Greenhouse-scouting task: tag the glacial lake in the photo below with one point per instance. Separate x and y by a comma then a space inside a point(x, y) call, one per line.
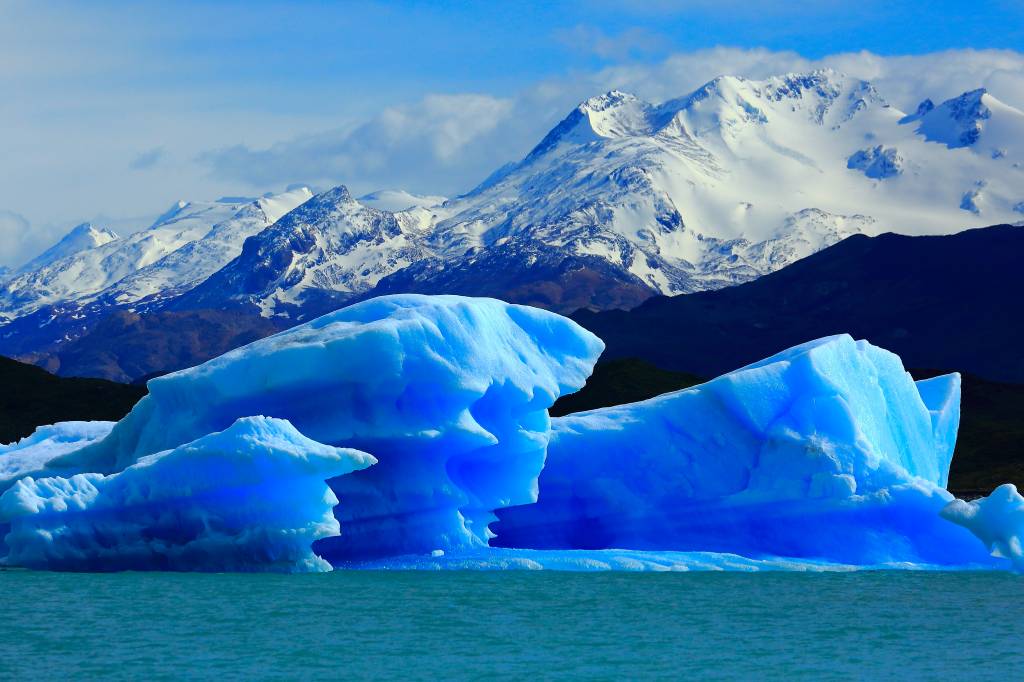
point(511, 625)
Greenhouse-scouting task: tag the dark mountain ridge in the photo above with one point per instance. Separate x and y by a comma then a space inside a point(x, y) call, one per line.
point(955, 302)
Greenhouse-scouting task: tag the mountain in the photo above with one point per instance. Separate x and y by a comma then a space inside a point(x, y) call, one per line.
point(625, 199)
point(183, 268)
point(326, 252)
point(33, 397)
point(80, 238)
point(741, 177)
point(951, 302)
point(146, 263)
point(622, 200)
point(396, 200)
point(62, 301)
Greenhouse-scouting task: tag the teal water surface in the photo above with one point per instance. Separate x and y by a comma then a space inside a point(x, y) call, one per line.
point(468, 625)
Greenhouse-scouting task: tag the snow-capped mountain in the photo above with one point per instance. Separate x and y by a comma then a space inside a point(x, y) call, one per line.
point(80, 238)
point(396, 200)
point(623, 199)
point(145, 263)
point(742, 177)
point(185, 267)
point(728, 183)
point(330, 249)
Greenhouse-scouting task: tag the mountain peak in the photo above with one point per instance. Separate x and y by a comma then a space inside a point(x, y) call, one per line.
point(610, 115)
point(607, 100)
point(81, 237)
point(957, 122)
point(274, 206)
point(397, 200)
point(335, 195)
point(176, 208)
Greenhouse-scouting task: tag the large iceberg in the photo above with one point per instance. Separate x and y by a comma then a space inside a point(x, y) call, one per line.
point(450, 394)
point(252, 497)
point(827, 450)
point(825, 456)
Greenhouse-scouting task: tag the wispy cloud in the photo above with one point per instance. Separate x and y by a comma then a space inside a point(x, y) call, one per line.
point(447, 143)
point(629, 43)
point(414, 146)
point(147, 159)
point(18, 240)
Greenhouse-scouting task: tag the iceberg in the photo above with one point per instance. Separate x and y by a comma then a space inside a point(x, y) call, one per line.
point(252, 497)
point(828, 450)
point(997, 520)
point(32, 455)
point(826, 456)
point(450, 394)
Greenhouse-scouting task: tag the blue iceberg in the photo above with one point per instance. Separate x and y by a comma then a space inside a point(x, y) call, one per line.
point(252, 497)
point(997, 520)
point(827, 450)
point(827, 456)
point(450, 394)
point(31, 456)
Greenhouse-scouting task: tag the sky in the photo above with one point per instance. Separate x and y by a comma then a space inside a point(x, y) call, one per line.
point(112, 111)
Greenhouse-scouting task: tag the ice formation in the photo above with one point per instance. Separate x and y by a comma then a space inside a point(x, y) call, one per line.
point(826, 450)
point(252, 497)
point(997, 520)
point(31, 456)
point(825, 456)
point(449, 393)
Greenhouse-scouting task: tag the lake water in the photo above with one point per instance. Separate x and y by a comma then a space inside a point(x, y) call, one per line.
point(469, 625)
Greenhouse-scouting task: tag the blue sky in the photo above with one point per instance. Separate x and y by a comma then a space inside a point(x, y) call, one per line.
point(118, 109)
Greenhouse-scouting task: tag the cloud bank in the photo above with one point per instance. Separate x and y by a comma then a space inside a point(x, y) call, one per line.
point(444, 144)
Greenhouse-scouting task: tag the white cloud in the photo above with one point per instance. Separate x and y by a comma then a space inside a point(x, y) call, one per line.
point(445, 144)
point(628, 43)
point(148, 159)
point(18, 240)
point(426, 144)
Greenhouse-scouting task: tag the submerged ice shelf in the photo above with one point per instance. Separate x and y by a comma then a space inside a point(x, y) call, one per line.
point(426, 416)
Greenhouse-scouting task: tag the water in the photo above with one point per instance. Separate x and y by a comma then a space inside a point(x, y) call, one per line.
point(467, 625)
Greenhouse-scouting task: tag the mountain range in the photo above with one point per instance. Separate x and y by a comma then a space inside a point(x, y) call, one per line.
point(621, 201)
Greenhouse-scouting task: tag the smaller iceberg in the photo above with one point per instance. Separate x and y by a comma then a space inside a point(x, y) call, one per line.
point(31, 456)
point(828, 450)
point(997, 520)
point(252, 497)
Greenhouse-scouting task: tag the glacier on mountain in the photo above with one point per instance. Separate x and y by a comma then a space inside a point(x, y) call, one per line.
point(80, 238)
point(827, 454)
point(252, 497)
